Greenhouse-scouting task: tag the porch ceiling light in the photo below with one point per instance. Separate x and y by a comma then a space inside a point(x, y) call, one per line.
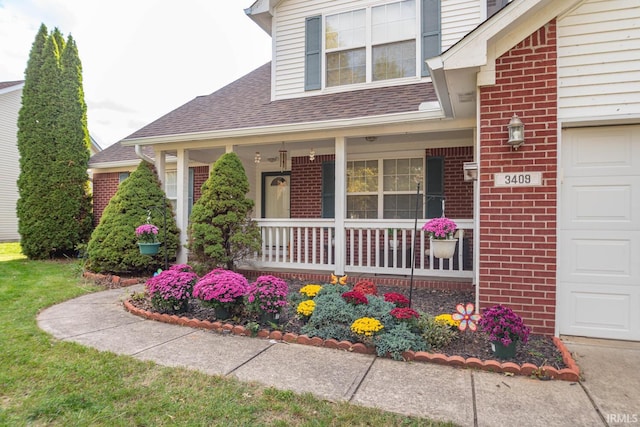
point(370, 138)
point(257, 157)
point(516, 132)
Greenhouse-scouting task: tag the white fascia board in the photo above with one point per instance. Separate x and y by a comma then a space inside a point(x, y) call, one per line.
point(439, 80)
point(261, 12)
point(290, 128)
point(471, 51)
point(11, 88)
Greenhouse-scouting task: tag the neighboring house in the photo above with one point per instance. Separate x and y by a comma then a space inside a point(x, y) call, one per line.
point(364, 100)
point(10, 104)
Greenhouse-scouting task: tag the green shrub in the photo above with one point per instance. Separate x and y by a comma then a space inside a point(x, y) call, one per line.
point(113, 246)
point(221, 231)
point(436, 334)
point(397, 339)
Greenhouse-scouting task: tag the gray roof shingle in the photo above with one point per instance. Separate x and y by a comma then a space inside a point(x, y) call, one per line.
point(246, 103)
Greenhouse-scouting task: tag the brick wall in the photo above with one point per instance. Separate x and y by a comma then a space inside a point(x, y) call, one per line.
point(458, 192)
point(200, 175)
point(518, 225)
point(105, 186)
point(306, 186)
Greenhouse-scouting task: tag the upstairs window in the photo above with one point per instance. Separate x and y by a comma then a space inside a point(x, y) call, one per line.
point(393, 40)
point(376, 43)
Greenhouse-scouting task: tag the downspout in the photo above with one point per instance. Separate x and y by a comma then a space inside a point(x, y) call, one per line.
point(143, 156)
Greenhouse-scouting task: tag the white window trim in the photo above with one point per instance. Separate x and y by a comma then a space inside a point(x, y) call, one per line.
point(380, 192)
point(369, 82)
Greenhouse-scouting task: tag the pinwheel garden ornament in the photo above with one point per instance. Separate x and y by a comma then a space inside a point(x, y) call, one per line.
point(466, 316)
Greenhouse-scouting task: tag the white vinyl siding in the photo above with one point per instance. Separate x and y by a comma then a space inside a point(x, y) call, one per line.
point(10, 103)
point(599, 61)
point(289, 45)
point(459, 17)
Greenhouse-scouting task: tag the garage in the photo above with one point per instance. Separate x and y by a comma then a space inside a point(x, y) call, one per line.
point(599, 233)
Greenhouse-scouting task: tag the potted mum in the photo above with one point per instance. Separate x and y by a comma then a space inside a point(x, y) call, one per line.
point(147, 239)
point(267, 296)
point(171, 289)
point(505, 329)
point(441, 231)
point(223, 290)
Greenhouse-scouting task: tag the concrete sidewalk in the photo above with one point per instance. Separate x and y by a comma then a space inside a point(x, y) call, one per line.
point(609, 396)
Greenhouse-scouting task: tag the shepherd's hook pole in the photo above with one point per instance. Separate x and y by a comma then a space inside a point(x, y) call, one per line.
point(415, 240)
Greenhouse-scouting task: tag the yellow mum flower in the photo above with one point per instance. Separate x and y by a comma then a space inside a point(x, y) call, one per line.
point(306, 307)
point(366, 326)
point(310, 290)
point(447, 319)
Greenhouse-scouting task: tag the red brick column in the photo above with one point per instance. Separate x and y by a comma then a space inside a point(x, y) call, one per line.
point(518, 224)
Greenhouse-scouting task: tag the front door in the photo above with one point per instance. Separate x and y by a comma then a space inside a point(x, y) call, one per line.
point(276, 195)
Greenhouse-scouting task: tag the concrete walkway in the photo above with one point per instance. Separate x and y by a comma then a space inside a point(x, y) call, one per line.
point(608, 396)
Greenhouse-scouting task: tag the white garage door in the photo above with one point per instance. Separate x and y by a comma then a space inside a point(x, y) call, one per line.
point(599, 233)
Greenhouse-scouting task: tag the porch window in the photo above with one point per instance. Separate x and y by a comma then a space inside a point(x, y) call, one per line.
point(376, 43)
point(391, 194)
point(171, 186)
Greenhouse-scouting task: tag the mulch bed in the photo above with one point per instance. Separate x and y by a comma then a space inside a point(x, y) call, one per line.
point(540, 351)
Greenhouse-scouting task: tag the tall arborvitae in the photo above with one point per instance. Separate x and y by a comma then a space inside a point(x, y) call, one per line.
point(53, 208)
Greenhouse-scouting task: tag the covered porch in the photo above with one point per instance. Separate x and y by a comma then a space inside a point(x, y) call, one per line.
point(346, 204)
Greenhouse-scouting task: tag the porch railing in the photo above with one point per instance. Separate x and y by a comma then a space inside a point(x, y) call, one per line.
point(370, 246)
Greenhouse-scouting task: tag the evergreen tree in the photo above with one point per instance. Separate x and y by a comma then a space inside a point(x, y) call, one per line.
point(54, 211)
point(113, 245)
point(221, 231)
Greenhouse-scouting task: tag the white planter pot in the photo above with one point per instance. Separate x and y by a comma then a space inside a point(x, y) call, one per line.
point(442, 248)
point(393, 244)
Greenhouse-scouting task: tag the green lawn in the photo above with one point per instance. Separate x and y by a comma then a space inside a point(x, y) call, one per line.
point(48, 382)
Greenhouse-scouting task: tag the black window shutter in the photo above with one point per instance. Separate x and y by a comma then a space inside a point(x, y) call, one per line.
point(312, 47)
point(328, 189)
point(435, 186)
point(430, 31)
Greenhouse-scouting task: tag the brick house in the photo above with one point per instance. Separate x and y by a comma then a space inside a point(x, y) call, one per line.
point(372, 110)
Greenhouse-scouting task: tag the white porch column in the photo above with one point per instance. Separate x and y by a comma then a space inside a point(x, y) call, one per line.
point(228, 148)
point(182, 202)
point(340, 203)
point(161, 166)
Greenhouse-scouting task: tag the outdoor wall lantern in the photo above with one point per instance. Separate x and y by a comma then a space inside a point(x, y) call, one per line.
point(516, 132)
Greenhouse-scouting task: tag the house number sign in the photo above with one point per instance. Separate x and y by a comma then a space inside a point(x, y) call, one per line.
point(520, 179)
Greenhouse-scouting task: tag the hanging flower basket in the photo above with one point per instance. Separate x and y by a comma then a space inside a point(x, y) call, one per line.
point(149, 248)
point(443, 248)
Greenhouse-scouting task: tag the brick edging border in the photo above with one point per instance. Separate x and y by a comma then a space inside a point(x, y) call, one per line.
point(571, 373)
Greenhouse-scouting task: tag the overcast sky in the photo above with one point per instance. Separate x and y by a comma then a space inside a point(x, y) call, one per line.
point(140, 58)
